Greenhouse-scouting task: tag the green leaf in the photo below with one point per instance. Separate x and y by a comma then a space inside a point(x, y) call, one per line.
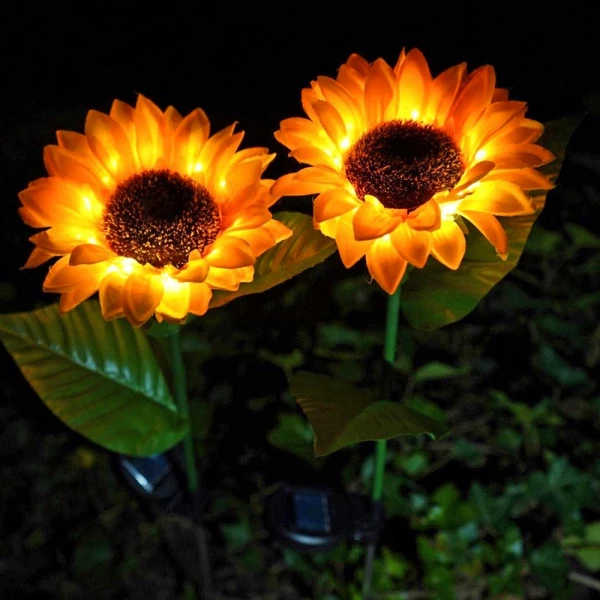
point(99, 377)
point(586, 549)
point(436, 296)
point(437, 370)
point(550, 566)
point(342, 415)
point(294, 435)
point(582, 237)
point(306, 248)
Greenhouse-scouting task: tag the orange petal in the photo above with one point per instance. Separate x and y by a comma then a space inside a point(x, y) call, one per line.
point(515, 156)
point(425, 218)
point(500, 95)
point(353, 81)
point(90, 254)
point(200, 295)
point(175, 302)
point(243, 175)
point(498, 198)
point(223, 279)
point(449, 244)
point(379, 92)
point(148, 120)
point(53, 201)
point(189, 138)
point(71, 298)
point(333, 203)
point(62, 240)
point(62, 277)
point(414, 246)
point(63, 163)
point(372, 220)
point(313, 156)
point(473, 98)
point(527, 132)
point(289, 185)
point(527, 178)
point(195, 271)
point(124, 115)
point(262, 238)
point(141, 295)
point(307, 97)
point(474, 174)
point(385, 264)
point(342, 100)
point(414, 80)
point(111, 295)
point(230, 252)
point(497, 119)
point(350, 249)
point(37, 258)
point(332, 122)
point(443, 92)
point(358, 63)
point(490, 227)
point(110, 145)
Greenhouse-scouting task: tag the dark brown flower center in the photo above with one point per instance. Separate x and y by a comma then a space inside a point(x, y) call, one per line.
point(403, 163)
point(159, 217)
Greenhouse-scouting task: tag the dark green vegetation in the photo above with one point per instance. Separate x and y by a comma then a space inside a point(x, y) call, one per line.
point(507, 506)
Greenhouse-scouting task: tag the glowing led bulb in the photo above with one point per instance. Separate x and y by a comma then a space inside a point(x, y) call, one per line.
point(414, 114)
point(480, 154)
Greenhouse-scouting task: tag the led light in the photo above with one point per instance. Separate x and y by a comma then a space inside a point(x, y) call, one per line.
point(480, 154)
point(345, 143)
point(414, 114)
point(198, 167)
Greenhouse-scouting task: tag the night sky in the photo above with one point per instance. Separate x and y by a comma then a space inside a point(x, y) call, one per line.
point(248, 63)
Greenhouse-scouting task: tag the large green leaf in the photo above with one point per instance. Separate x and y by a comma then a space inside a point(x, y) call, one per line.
point(305, 249)
point(435, 296)
point(99, 377)
point(340, 414)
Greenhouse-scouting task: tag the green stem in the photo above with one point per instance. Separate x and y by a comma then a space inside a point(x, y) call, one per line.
point(180, 389)
point(389, 357)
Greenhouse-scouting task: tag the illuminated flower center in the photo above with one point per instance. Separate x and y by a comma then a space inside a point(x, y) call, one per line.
point(159, 217)
point(403, 163)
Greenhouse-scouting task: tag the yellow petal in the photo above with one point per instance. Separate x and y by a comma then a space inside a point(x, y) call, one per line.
point(385, 265)
point(230, 252)
point(111, 295)
point(195, 271)
point(527, 178)
point(89, 254)
point(350, 249)
point(141, 295)
point(379, 92)
point(497, 119)
point(372, 220)
point(414, 246)
point(333, 203)
point(449, 244)
point(490, 227)
point(175, 302)
point(200, 295)
point(124, 115)
point(426, 217)
point(498, 198)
